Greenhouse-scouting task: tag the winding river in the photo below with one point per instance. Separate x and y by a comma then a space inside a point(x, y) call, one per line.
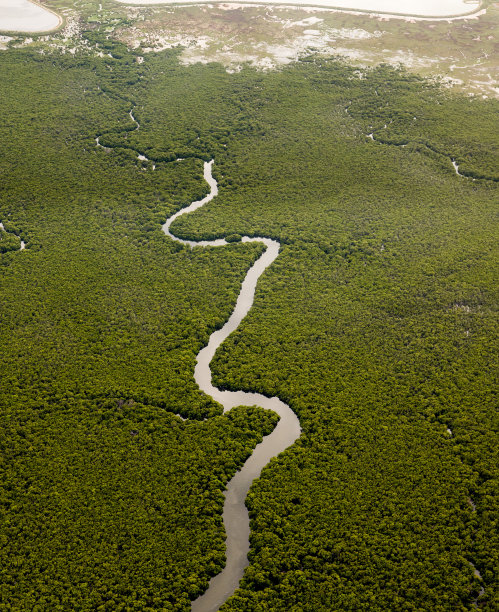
point(235, 514)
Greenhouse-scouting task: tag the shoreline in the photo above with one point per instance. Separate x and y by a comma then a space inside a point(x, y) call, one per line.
point(474, 13)
point(60, 22)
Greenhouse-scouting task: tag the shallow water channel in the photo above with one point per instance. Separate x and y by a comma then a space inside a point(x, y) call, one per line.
point(235, 514)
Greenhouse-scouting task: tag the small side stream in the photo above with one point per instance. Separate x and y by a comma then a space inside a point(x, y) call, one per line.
point(22, 244)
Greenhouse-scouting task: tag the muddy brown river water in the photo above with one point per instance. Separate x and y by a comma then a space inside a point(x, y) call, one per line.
point(235, 514)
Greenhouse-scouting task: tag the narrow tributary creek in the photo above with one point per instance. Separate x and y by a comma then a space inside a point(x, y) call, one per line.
point(372, 136)
point(22, 244)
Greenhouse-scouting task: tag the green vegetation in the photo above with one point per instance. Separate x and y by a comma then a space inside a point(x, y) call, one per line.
point(376, 324)
point(107, 500)
point(115, 505)
point(9, 238)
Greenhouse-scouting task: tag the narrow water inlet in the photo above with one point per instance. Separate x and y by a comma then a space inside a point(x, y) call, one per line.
point(235, 515)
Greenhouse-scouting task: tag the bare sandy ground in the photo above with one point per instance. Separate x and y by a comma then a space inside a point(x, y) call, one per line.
point(421, 8)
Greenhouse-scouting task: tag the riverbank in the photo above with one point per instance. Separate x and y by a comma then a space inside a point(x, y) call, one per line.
point(288, 430)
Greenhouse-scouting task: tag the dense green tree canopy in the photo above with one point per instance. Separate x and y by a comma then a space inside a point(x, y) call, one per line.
point(376, 324)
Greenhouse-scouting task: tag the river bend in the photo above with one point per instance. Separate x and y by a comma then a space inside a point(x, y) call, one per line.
point(235, 514)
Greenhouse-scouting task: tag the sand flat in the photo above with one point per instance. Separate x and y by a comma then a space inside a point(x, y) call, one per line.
point(422, 8)
point(26, 16)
